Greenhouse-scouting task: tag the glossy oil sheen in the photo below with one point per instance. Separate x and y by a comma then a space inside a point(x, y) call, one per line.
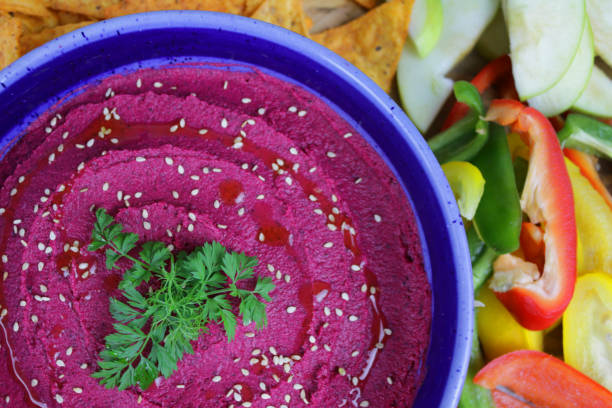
point(38, 80)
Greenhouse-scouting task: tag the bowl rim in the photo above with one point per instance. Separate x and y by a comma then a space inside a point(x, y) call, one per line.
point(177, 19)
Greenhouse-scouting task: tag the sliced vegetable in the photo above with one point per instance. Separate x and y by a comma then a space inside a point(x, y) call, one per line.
point(538, 298)
point(482, 268)
point(587, 135)
point(503, 400)
point(600, 14)
point(532, 244)
point(464, 140)
point(543, 380)
point(587, 328)
point(475, 244)
point(467, 184)
point(499, 333)
point(495, 71)
point(498, 217)
point(593, 223)
point(587, 164)
point(472, 395)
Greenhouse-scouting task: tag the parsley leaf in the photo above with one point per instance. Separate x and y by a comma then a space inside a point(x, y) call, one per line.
point(154, 329)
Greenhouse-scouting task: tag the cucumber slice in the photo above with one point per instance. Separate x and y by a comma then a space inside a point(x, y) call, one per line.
point(600, 14)
point(544, 38)
point(422, 84)
point(425, 25)
point(564, 93)
point(596, 99)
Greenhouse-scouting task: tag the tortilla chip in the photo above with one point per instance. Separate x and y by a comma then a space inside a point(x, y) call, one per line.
point(374, 41)
point(284, 13)
point(367, 3)
point(124, 7)
point(66, 17)
point(31, 8)
point(10, 31)
point(89, 8)
point(251, 6)
point(31, 41)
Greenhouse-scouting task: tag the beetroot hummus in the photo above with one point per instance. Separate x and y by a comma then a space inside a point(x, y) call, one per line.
point(187, 155)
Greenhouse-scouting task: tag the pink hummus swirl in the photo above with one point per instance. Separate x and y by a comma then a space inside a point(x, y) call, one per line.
point(187, 155)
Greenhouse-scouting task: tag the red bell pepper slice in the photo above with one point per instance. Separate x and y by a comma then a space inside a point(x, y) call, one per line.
point(587, 168)
point(543, 380)
point(497, 71)
point(538, 298)
point(503, 400)
point(532, 244)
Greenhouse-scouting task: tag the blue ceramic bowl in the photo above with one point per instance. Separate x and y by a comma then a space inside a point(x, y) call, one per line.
point(38, 80)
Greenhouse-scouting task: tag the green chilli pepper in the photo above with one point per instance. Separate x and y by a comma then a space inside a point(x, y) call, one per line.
point(586, 134)
point(498, 217)
point(463, 140)
point(472, 395)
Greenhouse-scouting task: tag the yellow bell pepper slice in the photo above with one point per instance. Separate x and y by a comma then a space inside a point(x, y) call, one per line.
point(593, 223)
point(467, 184)
point(587, 328)
point(498, 331)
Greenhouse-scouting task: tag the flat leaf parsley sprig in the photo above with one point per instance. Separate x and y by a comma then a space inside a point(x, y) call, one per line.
point(155, 330)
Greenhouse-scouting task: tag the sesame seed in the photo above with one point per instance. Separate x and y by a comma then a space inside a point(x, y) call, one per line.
point(380, 346)
point(192, 216)
point(318, 211)
point(182, 122)
point(240, 212)
point(328, 244)
point(291, 309)
point(287, 278)
point(60, 363)
point(180, 169)
point(114, 140)
point(388, 332)
point(332, 227)
point(175, 194)
point(77, 390)
point(169, 161)
point(224, 123)
point(34, 382)
point(364, 404)
point(261, 237)
point(216, 170)
point(339, 312)
point(331, 155)
point(353, 318)
point(270, 267)
point(203, 131)
point(59, 398)
point(373, 290)
point(260, 197)
point(246, 100)
point(265, 396)
point(302, 113)
point(244, 372)
point(355, 268)
point(355, 381)
point(138, 194)
point(84, 366)
point(34, 319)
point(180, 386)
point(225, 83)
point(312, 339)
point(261, 111)
point(216, 378)
point(390, 380)
point(25, 266)
point(288, 180)
point(195, 192)
point(146, 225)
point(69, 351)
point(377, 218)
point(158, 84)
point(43, 288)
point(105, 187)
point(190, 228)
point(341, 371)
point(221, 226)
point(326, 311)
point(119, 195)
